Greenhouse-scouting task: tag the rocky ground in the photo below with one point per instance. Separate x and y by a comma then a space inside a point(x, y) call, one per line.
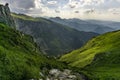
point(56, 74)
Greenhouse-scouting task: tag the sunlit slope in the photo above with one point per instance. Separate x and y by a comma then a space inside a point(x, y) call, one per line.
point(100, 57)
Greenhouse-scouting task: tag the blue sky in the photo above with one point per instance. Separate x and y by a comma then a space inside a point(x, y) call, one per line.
point(83, 9)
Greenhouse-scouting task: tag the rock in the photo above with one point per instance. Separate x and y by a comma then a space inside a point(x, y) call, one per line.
point(55, 72)
point(41, 74)
point(72, 77)
point(5, 16)
point(47, 78)
point(67, 71)
point(66, 74)
point(31, 79)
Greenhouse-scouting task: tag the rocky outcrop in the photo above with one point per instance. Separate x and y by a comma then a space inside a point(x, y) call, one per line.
point(56, 74)
point(5, 16)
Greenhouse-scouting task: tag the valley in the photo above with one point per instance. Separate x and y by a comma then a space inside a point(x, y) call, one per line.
point(52, 38)
point(38, 48)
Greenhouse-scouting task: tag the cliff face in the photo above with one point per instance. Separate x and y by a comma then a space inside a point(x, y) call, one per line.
point(5, 16)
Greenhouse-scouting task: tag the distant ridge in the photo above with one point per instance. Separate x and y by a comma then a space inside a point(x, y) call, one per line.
point(83, 25)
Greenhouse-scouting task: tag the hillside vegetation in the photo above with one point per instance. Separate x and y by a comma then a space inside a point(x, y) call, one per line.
point(52, 38)
point(99, 59)
point(20, 59)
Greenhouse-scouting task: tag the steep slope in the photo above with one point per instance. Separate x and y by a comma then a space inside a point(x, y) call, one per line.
point(20, 59)
point(52, 38)
point(99, 58)
point(82, 25)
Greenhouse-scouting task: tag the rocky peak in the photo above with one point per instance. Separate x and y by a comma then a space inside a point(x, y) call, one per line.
point(5, 15)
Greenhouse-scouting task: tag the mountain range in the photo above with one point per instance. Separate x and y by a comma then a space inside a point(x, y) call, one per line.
point(52, 38)
point(111, 24)
point(83, 25)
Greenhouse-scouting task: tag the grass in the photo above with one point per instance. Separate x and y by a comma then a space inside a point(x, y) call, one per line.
point(99, 59)
point(20, 59)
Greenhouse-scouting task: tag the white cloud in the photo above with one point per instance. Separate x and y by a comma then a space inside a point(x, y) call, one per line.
point(52, 2)
point(97, 9)
point(115, 11)
point(37, 4)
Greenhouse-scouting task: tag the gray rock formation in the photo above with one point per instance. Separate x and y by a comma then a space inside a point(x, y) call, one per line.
point(5, 15)
point(56, 74)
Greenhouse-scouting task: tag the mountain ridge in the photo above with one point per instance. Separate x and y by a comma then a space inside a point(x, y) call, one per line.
point(52, 38)
point(82, 25)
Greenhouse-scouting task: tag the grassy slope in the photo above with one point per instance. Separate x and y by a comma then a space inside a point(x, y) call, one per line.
point(99, 58)
point(19, 57)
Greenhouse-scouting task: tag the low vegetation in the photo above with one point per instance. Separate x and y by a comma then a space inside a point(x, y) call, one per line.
point(20, 59)
point(99, 58)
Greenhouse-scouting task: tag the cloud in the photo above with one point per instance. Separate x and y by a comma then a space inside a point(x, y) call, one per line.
point(52, 2)
point(66, 8)
point(57, 11)
point(90, 11)
point(115, 11)
point(76, 11)
point(20, 3)
point(19, 6)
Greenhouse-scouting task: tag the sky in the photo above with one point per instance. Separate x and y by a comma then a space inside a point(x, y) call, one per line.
point(82, 9)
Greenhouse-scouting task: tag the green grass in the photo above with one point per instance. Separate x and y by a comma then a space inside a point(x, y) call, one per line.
point(99, 58)
point(20, 58)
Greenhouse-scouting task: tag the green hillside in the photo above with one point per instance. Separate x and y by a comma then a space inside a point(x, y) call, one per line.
point(52, 38)
point(19, 57)
point(99, 59)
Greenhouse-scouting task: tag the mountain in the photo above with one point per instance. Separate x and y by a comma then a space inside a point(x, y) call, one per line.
point(111, 24)
point(51, 37)
point(83, 25)
point(99, 59)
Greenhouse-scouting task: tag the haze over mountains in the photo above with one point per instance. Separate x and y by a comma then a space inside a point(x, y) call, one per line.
point(112, 24)
point(83, 25)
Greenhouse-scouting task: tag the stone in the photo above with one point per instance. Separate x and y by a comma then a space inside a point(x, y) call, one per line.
point(5, 16)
